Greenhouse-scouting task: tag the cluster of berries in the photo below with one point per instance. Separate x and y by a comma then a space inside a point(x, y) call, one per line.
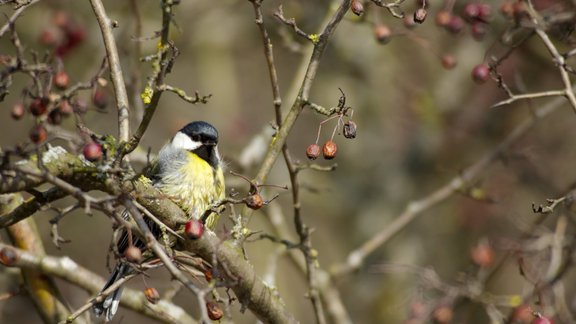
point(349, 127)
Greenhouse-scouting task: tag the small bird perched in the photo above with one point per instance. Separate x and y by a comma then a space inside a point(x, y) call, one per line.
point(188, 170)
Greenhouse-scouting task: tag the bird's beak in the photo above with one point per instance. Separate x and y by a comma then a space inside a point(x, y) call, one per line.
point(210, 143)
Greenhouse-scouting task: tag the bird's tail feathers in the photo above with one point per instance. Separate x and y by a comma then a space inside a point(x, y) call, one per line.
point(110, 304)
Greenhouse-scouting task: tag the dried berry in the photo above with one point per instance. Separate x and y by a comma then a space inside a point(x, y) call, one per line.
point(100, 99)
point(8, 256)
point(481, 73)
point(61, 80)
point(92, 151)
point(455, 25)
point(215, 313)
point(313, 151)
point(349, 129)
point(420, 15)
point(329, 150)
point(18, 111)
point(448, 61)
point(38, 107)
point(133, 254)
point(194, 229)
point(254, 201)
point(382, 33)
point(55, 117)
point(152, 295)
point(357, 7)
point(38, 134)
point(443, 18)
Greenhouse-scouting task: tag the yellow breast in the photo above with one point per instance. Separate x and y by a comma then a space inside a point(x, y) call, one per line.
point(194, 186)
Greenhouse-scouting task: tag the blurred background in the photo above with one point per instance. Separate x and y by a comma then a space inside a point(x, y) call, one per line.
point(419, 125)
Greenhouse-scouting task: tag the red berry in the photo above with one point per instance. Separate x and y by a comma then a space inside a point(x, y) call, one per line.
point(133, 254)
point(38, 107)
point(215, 313)
point(485, 11)
point(80, 106)
point(455, 25)
point(313, 151)
point(208, 275)
point(382, 33)
point(479, 30)
point(92, 151)
point(471, 11)
point(254, 201)
point(357, 7)
point(483, 254)
point(448, 61)
point(443, 314)
point(65, 108)
point(61, 80)
point(542, 320)
point(194, 229)
point(443, 18)
point(408, 21)
point(60, 19)
point(100, 99)
point(519, 9)
point(420, 15)
point(507, 9)
point(75, 35)
point(152, 295)
point(18, 111)
point(481, 73)
point(38, 134)
point(8, 256)
point(523, 314)
point(329, 150)
point(48, 37)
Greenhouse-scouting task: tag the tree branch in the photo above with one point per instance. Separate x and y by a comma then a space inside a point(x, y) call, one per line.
point(116, 75)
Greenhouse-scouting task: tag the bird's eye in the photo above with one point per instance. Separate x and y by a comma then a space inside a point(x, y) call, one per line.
point(196, 138)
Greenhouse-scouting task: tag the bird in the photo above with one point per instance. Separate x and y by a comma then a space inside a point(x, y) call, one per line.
point(188, 170)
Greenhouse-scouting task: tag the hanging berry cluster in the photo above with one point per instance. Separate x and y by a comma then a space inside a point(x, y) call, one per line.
point(330, 148)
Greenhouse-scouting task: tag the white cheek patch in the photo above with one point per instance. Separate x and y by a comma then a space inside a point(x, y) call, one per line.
point(184, 142)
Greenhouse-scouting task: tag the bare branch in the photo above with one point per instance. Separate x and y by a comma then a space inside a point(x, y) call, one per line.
point(116, 75)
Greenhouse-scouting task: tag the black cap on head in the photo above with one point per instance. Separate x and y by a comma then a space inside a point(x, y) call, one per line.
point(200, 131)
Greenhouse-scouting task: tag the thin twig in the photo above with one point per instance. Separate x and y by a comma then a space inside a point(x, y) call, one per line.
point(269, 54)
point(158, 79)
point(116, 74)
point(15, 16)
point(532, 95)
